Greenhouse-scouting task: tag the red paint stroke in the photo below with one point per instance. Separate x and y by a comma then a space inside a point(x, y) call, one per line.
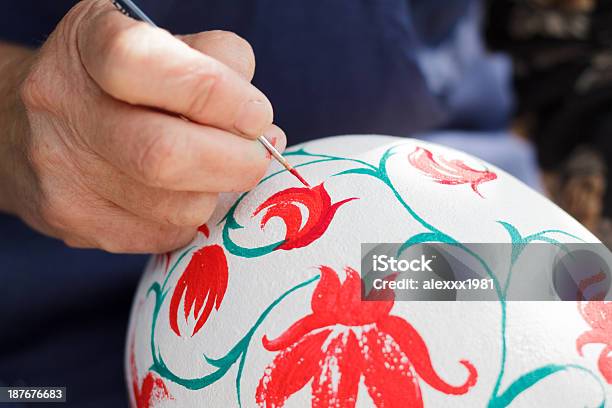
point(293, 171)
point(450, 172)
point(204, 230)
point(599, 316)
point(164, 260)
point(345, 338)
point(205, 278)
point(299, 177)
point(284, 205)
point(151, 391)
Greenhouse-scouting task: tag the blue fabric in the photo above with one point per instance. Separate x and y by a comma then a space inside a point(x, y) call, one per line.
point(348, 66)
point(63, 315)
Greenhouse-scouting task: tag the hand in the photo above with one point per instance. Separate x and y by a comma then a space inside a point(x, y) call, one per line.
point(102, 158)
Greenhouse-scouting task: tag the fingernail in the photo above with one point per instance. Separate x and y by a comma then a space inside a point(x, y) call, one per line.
point(253, 116)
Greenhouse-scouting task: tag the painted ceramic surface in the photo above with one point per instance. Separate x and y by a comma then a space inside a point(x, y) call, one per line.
point(263, 308)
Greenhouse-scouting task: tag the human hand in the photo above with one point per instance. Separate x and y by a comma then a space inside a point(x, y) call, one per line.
point(102, 158)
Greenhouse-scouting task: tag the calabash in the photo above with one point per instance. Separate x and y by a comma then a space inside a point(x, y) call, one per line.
point(264, 307)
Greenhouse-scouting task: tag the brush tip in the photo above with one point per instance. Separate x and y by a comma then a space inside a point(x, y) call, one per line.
point(299, 177)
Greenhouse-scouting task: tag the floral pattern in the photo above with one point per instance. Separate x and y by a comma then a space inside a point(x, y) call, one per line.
point(451, 172)
point(284, 205)
point(151, 391)
point(204, 279)
point(345, 338)
point(598, 315)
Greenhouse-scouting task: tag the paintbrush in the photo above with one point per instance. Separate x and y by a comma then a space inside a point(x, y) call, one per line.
point(130, 9)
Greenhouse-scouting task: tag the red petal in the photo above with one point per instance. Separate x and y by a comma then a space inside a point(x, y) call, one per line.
point(318, 203)
point(325, 296)
point(352, 311)
point(412, 344)
point(290, 371)
point(598, 314)
point(284, 205)
point(179, 289)
point(204, 230)
point(592, 336)
point(222, 279)
point(423, 160)
point(605, 364)
point(204, 316)
point(291, 215)
point(219, 286)
point(374, 310)
point(198, 287)
point(298, 330)
point(450, 172)
point(153, 390)
point(337, 380)
point(314, 228)
point(349, 301)
point(324, 303)
point(389, 377)
point(205, 278)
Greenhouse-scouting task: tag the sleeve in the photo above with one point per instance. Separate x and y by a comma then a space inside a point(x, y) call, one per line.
point(29, 22)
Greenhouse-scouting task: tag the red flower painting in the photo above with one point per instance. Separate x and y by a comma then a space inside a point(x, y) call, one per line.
point(151, 391)
point(450, 172)
point(203, 285)
point(164, 259)
point(204, 230)
point(598, 315)
point(345, 339)
point(285, 205)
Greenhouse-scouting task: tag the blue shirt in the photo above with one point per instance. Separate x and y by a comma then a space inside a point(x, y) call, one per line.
point(349, 66)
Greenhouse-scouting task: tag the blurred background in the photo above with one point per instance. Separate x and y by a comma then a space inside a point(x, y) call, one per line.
point(561, 54)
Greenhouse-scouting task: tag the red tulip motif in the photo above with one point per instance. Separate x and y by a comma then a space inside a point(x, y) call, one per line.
point(345, 339)
point(598, 315)
point(450, 172)
point(202, 285)
point(152, 390)
point(284, 205)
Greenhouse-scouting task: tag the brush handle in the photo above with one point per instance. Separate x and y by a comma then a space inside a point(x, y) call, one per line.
point(130, 9)
point(275, 153)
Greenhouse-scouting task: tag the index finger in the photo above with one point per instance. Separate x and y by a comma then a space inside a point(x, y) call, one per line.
point(144, 65)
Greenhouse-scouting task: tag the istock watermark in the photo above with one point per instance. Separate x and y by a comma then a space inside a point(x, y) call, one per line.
point(383, 263)
point(486, 272)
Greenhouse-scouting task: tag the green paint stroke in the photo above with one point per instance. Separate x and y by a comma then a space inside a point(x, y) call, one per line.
point(435, 235)
point(531, 378)
point(432, 234)
point(222, 364)
point(230, 220)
